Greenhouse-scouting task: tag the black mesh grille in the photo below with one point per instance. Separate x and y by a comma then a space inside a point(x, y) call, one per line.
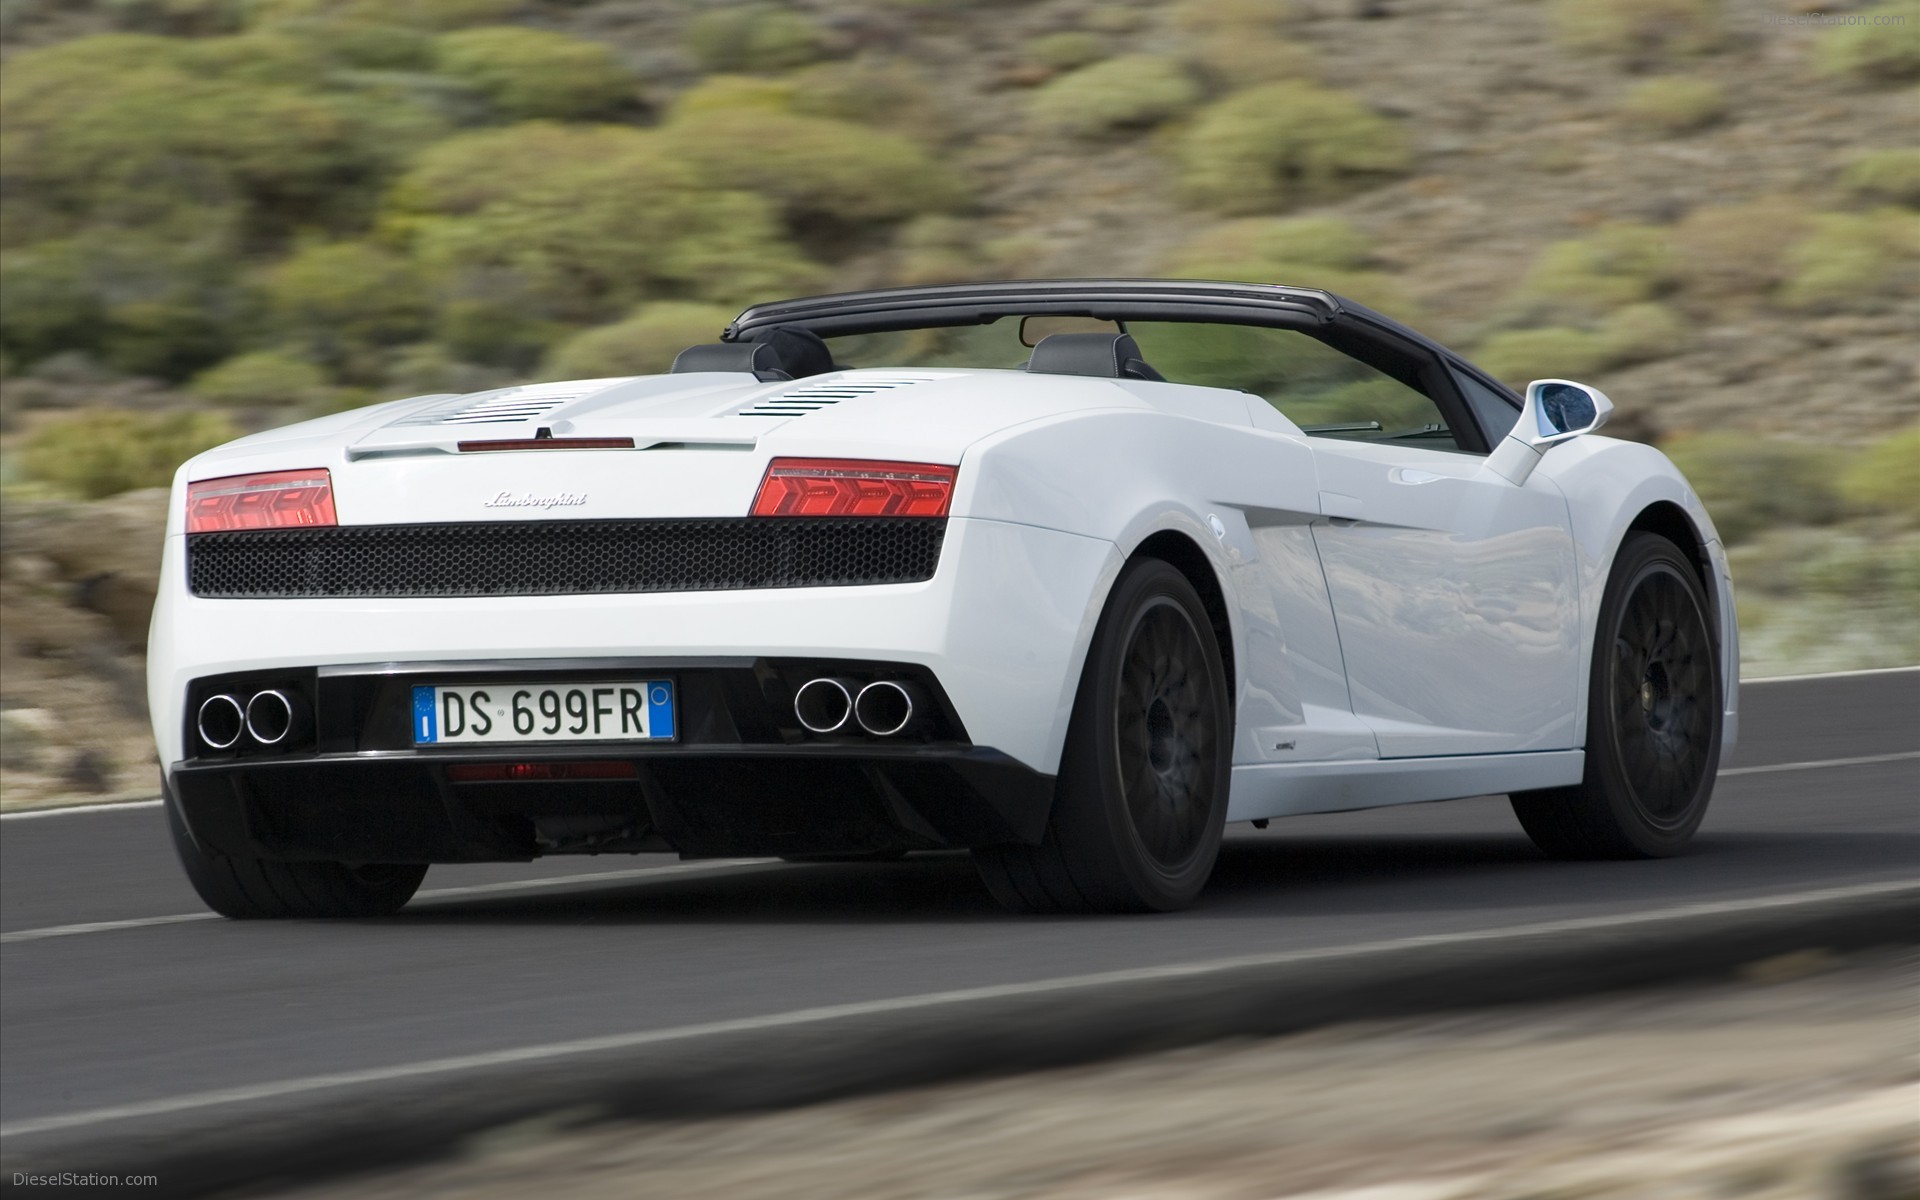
point(554, 558)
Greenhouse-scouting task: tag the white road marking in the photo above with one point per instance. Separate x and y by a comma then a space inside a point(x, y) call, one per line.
point(28, 814)
point(1828, 675)
point(255, 1093)
point(1817, 764)
point(473, 889)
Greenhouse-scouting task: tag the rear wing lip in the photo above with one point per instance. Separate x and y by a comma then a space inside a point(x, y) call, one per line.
point(886, 309)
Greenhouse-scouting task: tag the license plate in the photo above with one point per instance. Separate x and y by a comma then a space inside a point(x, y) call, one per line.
point(595, 711)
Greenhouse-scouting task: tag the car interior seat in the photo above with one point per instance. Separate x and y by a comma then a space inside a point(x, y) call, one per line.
point(1102, 355)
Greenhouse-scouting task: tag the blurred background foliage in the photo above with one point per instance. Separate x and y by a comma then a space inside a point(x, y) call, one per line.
point(218, 216)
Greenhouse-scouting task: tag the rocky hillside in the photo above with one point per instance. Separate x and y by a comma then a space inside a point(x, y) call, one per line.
point(218, 215)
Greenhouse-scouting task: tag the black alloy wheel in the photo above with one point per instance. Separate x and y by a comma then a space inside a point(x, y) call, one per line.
point(1142, 794)
point(1654, 714)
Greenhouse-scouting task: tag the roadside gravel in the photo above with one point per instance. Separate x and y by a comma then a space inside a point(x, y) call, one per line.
point(1800, 1080)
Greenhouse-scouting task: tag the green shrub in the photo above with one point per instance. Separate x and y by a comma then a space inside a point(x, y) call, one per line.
point(108, 451)
point(1321, 252)
point(755, 39)
point(137, 131)
point(532, 73)
point(1641, 333)
point(48, 303)
point(890, 95)
point(1519, 356)
point(1672, 106)
point(415, 14)
point(1229, 61)
point(1622, 263)
point(1237, 43)
point(1875, 53)
point(1066, 51)
point(261, 379)
point(643, 344)
point(428, 368)
point(813, 167)
point(1735, 253)
point(1288, 143)
point(1134, 91)
point(1321, 241)
point(162, 306)
point(590, 222)
point(489, 323)
point(1638, 29)
point(184, 18)
point(1854, 261)
point(733, 93)
point(344, 295)
point(1885, 176)
point(1886, 476)
point(1752, 484)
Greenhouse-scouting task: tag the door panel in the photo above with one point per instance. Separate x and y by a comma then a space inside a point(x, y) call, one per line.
point(1456, 600)
point(1302, 713)
point(1292, 704)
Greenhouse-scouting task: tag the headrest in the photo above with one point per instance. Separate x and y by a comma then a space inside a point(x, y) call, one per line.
point(756, 358)
point(800, 352)
point(1103, 355)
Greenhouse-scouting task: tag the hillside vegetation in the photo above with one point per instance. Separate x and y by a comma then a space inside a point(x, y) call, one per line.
point(219, 215)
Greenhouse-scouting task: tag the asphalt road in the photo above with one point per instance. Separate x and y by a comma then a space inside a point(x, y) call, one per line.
point(117, 989)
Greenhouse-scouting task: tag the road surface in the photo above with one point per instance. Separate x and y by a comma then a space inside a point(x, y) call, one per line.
point(117, 989)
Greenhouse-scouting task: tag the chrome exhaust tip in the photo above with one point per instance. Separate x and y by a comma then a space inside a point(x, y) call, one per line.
point(270, 717)
point(221, 721)
point(884, 707)
point(822, 705)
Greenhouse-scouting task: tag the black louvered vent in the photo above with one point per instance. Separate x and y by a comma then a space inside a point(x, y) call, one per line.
point(558, 558)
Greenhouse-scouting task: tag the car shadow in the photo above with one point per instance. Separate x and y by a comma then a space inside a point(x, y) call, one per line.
point(1272, 875)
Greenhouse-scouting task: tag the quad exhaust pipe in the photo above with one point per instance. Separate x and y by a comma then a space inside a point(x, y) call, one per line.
point(884, 707)
point(823, 705)
point(828, 705)
point(221, 722)
point(269, 718)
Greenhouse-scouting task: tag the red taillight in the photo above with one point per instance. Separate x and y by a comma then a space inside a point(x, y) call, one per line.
point(274, 500)
point(537, 771)
point(853, 487)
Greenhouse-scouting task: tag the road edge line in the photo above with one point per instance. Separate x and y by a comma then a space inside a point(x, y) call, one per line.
point(391, 1116)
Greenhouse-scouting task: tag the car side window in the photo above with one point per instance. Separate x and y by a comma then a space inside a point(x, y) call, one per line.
point(1322, 389)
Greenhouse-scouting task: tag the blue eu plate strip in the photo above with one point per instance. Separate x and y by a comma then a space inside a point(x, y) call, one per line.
point(660, 710)
point(424, 729)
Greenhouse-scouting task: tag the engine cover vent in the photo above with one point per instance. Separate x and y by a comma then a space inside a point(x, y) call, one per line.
point(501, 407)
point(812, 397)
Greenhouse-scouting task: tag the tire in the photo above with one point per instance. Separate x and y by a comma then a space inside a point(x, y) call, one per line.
point(1654, 712)
point(1142, 794)
point(247, 888)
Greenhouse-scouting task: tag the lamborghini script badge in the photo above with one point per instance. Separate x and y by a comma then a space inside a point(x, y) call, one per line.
point(530, 500)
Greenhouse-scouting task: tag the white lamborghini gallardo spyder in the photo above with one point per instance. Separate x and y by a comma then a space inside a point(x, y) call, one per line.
point(1068, 574)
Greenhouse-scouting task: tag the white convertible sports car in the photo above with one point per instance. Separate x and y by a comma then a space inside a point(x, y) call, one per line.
point(1069, 574)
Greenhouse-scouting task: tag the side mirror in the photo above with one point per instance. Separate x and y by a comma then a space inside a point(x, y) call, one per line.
point(1556, 411)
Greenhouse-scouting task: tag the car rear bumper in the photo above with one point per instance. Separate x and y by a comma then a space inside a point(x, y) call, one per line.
point(698, 801)
point(738, 775)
